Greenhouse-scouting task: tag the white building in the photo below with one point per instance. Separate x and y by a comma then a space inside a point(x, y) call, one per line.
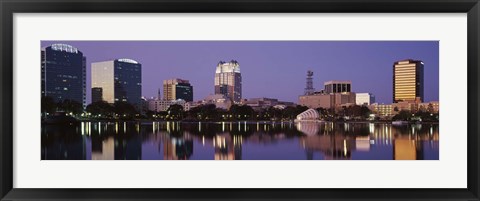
point(364, 98)
point(163, 105)
point(219, 100)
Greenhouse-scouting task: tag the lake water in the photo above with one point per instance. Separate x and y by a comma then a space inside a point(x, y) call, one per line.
point(239, 141)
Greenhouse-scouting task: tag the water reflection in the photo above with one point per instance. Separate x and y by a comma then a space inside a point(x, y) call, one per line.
point(240, 141)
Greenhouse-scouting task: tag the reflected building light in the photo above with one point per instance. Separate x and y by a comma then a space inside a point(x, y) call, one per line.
point(124, 127)
point(258, 126)
point(199, 127)
point(89, 128)
point(345, 147)
point(82, 126)
point(245, 126)
point(223, 126)
point(203, 140)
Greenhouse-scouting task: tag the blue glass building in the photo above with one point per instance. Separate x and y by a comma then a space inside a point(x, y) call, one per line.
point(63, 73)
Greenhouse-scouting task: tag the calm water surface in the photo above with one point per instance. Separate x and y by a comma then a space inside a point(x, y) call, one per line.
point(239, 141)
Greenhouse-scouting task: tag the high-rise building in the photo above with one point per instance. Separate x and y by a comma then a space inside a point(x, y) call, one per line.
point(408, 81)
point(364, 98)
point(63, 73)
point(338, 86)
point(309, 88)
point(228, 80)
point(175, 89)
point(97, 94)
point(120, 80)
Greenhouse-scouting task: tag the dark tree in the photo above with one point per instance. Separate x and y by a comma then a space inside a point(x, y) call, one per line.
point(403, 115)
point(48, 105)
point(70, 106)
point(102, 108)
point(124, 109)
point(241, 112)
point(175, 112)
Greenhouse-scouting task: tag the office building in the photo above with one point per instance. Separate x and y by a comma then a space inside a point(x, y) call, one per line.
point(63, 73)
point(97, 94)
point(364, 98)
point(335, 94)
point(228, 80)
point(119, 80)
point(408, 81)
point(175, 89)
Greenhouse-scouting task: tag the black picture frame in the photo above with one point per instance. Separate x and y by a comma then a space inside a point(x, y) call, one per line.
point(10, 7)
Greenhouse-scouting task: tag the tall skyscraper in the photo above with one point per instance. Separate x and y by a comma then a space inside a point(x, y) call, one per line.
point(120, 80)
point(309, 88)
point(228, 80)
point(408, 81)
point(174, 89)
point(338, 86)
point(63, 73)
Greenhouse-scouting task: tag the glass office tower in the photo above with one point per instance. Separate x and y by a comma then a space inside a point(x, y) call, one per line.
point(63, 73)
point(408, 81)
point(119, 80)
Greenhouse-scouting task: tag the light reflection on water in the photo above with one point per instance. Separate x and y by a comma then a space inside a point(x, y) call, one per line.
point(240, 141)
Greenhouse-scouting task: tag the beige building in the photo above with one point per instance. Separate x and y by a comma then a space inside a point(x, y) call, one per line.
point(176, 88)
point(383, 110)
point(327, 100)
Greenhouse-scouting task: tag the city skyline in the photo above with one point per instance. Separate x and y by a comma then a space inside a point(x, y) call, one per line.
point(268, 65)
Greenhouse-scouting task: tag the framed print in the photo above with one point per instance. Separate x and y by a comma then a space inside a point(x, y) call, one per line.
point(239, 100)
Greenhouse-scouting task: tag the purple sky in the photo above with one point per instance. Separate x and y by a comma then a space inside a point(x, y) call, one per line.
point(274, 69)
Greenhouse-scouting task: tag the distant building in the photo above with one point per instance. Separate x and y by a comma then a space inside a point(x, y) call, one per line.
point(336, 86)
point(63, 73)
point(263, 103)
point(120, 80)
point(228, 80)
point(383, 110)
point(364, 98)
point(408, 81)
point(327, 100)
point(174, 89)
point(219, 100)
point(163, 105)
point(335, 94)
point(97, 94)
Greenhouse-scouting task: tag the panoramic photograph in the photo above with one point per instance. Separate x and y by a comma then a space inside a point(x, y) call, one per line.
point(239, 100)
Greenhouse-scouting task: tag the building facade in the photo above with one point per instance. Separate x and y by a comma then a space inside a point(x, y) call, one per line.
point(63, 73)
point(336, 86)
point(120, 80)
point(157, 105)
point(335, 94)
point(408, 81)
point(174, 89)
point(327, 100)
point(228, 80)
point(97, 94)
point(364, 98)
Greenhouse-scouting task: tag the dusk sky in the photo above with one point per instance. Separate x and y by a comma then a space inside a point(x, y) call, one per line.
point(273, 69)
